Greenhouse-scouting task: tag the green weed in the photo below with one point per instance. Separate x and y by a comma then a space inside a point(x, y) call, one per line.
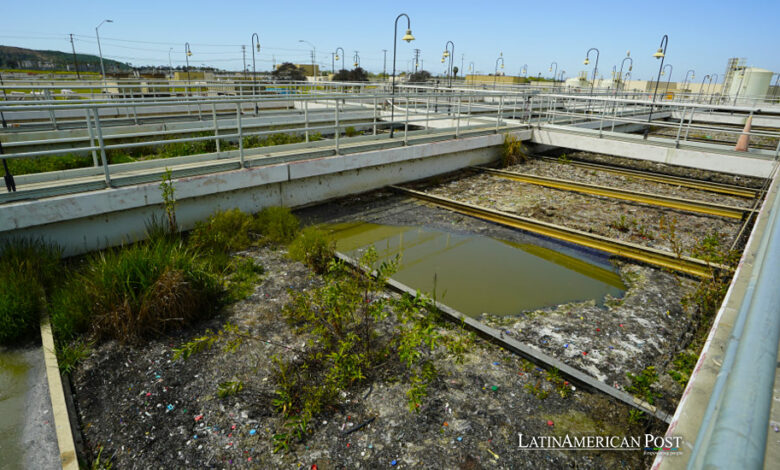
point(277, 224)
point(313, 247)
point(513, 151)
point(641, 384)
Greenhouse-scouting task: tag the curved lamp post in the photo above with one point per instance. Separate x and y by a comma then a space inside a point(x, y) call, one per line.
point(449, 53)
point(659, 54)
point(408, 38)
point(555, 74)
point(701, 87)
point(356, 58)
point(100, 51)
point(342, 57)
point(495, 74)
point(709, 83)
point(693, 77)
point(630, 67)
point(254, 72)
point(669, 78)
point(595, 66)
point(187, 54)
point(525, 70)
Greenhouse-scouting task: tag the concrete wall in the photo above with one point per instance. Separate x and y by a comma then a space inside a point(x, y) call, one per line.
point(94, 220)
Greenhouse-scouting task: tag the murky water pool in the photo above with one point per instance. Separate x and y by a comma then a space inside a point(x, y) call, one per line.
point(14, 368)
point(476, 274)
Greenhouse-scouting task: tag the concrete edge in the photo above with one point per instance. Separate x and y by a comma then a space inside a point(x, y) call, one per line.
point(68, 456)
point(696, 396)
point(534, 355)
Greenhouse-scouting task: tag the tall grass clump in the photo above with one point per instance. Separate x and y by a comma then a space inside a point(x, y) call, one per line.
point(512, 151)
point(27, 270)
point(138, 291)
point(313, 247)
point(222, 233)
point(277, 225)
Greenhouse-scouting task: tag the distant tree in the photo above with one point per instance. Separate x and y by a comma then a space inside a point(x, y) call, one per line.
point(288, 72)
point(455, 71)
point(355, 75)
point(419, 77)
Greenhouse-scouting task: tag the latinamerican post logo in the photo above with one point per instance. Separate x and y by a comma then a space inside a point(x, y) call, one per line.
point(649, 443)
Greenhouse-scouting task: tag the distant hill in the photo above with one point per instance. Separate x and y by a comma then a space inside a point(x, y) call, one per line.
point(29, 59)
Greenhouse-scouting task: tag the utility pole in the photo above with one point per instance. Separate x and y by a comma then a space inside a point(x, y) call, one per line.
point(461, 64)
point(384, 67)
point(243, 53)
point(274, 59)
point(416, 59)
point(75, 61)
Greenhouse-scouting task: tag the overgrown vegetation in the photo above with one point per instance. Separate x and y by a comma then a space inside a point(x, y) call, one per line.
point(314, 248)
point(27, 271)
point(513, 151)
point(641, 384)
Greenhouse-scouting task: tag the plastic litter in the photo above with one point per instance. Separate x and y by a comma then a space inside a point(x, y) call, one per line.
point(550, 423)
point(494, 388)
point(460, 438)
point(394, 463)
point(252, 432)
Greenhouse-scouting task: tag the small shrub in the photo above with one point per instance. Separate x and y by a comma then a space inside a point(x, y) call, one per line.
point(167, 190)
point(641, 384)
point(277, 224)
point(684, 363)
point(350, 131)
point(71, 354)
point(223, 232)
point(313, 247)
point(243, 275)
point(513, 151)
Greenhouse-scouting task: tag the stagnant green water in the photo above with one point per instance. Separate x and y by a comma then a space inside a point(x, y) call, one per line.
point(476, 274)
point(14, 367)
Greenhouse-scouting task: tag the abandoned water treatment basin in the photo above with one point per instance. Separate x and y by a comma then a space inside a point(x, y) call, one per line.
point(476, 274)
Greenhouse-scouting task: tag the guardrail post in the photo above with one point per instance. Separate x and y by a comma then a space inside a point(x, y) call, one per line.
point(47, 96)
point(216, 125)
point(240, 135)
point(306, 119)
point(336, 131)
point(375, 111)
point(91, 138)
point(427, 110)
point(679, 128)
point(468, 113)
point(498, 116)
point(601, 122)
point(406, 122)
point(457, 120)
point(103, 158)
point(688, 127)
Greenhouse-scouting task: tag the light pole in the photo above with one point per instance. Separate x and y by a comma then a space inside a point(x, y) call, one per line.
point(449, 53)
point(313, 54)
point(701, 87)
point(254, 71)
point(384, 64)
point(525, 70)
point(170, 62)
point(555, 73)
point(715, 76)
point(187, 54)
point(630, 67)
point(408, 38)
point(595, 66)
point(693, 77)
point(495, 73)
point(342, 57)
point(669, 78)
point(659, 54)
point(100, 51)
point(356, 58)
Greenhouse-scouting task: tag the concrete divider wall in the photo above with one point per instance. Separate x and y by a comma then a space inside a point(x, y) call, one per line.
point(95, 220)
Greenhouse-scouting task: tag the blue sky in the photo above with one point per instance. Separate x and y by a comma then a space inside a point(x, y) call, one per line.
point(702, 35)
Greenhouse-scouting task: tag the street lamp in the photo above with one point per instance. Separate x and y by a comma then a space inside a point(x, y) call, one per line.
point(495, 74)
point(254, 71)
point(408, 38)
point(693, 77)
point(659, 54)
point(595, 66)
point(715, 76)
point(554, 73)
point(356, 58)
point(100, 51)
point(701, 87)
point(449, 53)
point(313, 54)
point(669, 78)
point(170, 63)
point(630, 67)
point(187, 54)
point(525, 70)
point(342, 57)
